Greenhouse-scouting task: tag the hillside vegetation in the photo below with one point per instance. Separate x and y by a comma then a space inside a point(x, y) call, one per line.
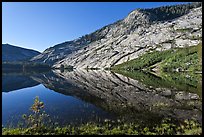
point(177, 59)
point(171, 12)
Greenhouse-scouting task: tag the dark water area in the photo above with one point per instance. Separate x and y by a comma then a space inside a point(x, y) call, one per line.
point(80, 96)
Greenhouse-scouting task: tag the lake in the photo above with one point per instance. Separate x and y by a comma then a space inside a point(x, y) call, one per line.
point(81, 96)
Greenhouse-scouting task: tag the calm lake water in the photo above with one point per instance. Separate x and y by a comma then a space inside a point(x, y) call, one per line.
point(82, 96)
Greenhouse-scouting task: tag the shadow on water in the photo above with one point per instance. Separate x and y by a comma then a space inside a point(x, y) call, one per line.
point(14, 80)
point(128, 96)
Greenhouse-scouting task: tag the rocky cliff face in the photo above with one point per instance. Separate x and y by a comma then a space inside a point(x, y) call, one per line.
point(58, 52)
point(141, 31)
point(12, 53)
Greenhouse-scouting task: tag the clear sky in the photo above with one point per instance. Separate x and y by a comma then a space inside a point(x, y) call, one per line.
point(39, 25)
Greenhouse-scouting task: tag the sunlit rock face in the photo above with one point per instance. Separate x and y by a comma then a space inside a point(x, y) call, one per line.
point(138, 33)
point(59, 51)
point(123, 96)
point(126, 39)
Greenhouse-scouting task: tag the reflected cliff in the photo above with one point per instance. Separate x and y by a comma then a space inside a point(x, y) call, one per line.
point(137, 96)
point(126, 97)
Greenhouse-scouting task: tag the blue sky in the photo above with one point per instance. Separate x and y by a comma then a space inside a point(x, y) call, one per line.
point(39, 25)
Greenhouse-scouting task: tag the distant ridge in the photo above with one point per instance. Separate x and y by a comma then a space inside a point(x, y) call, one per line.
point(11, 53)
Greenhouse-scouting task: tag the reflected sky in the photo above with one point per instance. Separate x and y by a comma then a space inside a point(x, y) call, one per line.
point(63, 109)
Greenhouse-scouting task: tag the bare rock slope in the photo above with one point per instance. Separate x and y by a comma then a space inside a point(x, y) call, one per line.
point(141, 31)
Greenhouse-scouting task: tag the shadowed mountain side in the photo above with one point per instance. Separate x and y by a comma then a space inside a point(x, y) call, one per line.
point(16, 81)
point(12, 53)
point(123, 96)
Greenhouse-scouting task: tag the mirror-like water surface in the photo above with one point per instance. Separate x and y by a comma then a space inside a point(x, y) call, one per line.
point(82, 96)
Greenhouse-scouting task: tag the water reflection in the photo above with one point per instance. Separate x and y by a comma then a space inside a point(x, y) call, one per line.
point(16, 80)
point(130, 97)
point(133, 99)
